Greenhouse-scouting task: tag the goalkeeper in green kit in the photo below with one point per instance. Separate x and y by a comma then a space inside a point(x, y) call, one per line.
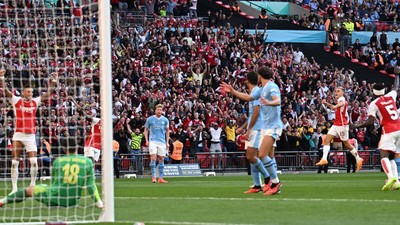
point(70, 174)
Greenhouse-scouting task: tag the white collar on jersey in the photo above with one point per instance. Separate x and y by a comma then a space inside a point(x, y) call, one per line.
point(379, 92)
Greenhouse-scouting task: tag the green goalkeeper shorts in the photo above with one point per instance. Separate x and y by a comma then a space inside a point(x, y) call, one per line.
point(50, 196)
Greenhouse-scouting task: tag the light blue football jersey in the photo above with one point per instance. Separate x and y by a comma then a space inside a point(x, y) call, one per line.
point(271, 115)
point(157, 128)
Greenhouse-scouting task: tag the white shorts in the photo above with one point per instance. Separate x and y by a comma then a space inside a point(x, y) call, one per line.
point(254, 139)
point(215, 147)
point(340, 131)
point(92, 153)
point(28, 140)
point(390, 141)
point(274, 133)
point(156, 148)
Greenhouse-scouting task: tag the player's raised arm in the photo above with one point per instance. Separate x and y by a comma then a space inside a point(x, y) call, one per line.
point(332, 106)
point(80, 109)
point(3, 84)
point(52, 86)
point(227, 88)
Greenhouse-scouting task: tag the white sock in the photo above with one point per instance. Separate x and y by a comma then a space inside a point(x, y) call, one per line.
point(394, 169)
point(275, 180)
point(387, 167)
point(14, 174)
point(34, 170)
point(325, 150)
point(355, 154)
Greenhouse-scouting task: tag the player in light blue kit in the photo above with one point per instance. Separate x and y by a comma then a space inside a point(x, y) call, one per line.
point(253, 137)
point(157, 141)
point(270, 112)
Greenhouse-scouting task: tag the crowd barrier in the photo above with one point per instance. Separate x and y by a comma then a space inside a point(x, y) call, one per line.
point(223, 162)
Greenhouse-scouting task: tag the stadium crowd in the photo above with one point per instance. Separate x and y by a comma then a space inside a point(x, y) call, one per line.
point(181, 67)
point(341, 19)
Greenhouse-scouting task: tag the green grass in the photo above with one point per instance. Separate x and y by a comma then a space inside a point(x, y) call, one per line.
point(305, 199)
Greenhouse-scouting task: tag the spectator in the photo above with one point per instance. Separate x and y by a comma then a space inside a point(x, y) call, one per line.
point(235, 8)
point(136, 150)
point(356, 48)
point(334, 40)
point(176, 150)
point(117, 158)
point(193, 8)
point(200, 139)
point(383, 41)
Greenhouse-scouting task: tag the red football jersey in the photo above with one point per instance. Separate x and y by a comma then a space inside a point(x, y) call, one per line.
point(341, 116)
point(25, 114)
point(384, 108)
point(94, 140)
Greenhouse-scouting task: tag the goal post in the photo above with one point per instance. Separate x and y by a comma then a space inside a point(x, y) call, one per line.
point(107, 105)
point(72, 39)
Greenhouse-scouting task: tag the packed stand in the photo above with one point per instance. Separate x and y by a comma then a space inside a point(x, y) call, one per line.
point(341, 19)
point(182, 69)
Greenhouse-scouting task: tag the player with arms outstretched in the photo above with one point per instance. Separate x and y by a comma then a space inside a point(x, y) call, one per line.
point(384, 108)
point(157, 141)
point(70, 174)
point(25, 108)
point(340, 128)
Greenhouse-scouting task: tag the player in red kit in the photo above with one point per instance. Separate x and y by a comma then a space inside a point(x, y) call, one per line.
point(339, 129)
point(25, 126)
point(384, 108)
point(93, 142)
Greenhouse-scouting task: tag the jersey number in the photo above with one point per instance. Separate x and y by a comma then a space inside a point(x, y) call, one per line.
point(392, 112)
point(71, 173)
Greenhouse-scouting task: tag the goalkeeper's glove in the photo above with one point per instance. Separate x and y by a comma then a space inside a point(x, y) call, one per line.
point(99, 204)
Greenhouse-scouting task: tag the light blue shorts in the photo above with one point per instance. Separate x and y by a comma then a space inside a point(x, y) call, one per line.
point(254, 139)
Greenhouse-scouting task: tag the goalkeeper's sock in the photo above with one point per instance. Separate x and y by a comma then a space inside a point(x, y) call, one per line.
point(161, 169)
point(153, 168)
point(14, 174)
point(16, 197)
point(34, 170)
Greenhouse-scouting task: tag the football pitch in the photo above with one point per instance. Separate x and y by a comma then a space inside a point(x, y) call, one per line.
point(305, 199)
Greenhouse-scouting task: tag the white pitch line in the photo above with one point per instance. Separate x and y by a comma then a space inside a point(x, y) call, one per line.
point(183, 223)
point(263, 199)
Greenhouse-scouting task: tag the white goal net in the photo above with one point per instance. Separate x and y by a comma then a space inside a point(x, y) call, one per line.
point(46, 43)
